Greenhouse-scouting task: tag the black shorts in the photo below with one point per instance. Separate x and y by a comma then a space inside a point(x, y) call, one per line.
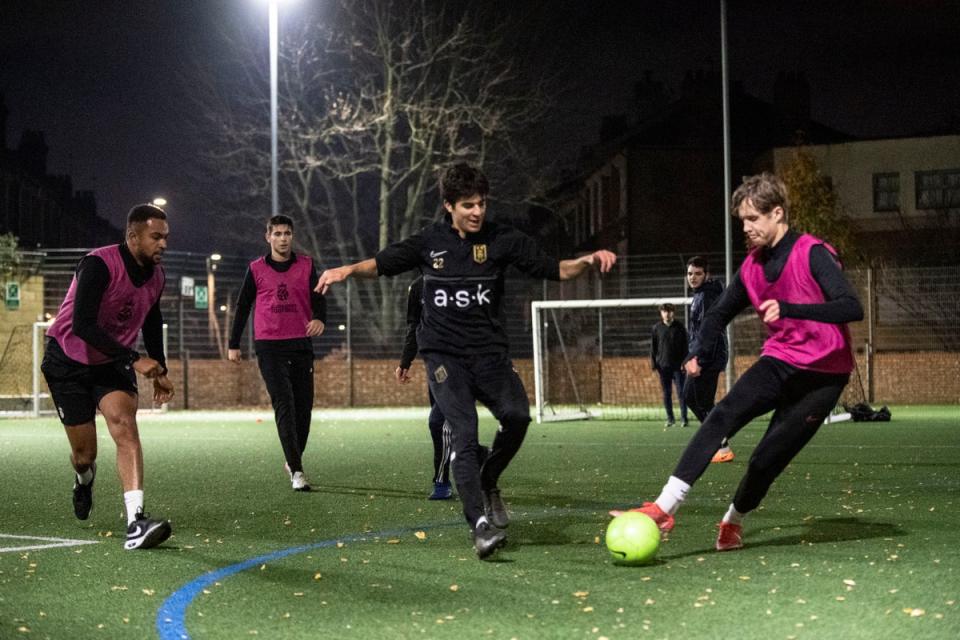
point(77, 388)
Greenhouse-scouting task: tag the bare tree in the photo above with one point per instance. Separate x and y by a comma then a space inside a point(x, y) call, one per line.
point(374, 100)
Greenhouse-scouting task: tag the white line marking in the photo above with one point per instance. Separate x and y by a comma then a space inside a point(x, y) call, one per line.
point(51, 542)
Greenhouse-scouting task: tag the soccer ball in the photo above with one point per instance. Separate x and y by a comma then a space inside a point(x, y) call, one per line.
point(633, 538)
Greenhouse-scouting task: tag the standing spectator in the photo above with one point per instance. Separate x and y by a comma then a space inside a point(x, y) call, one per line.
point(700, 392)
point(668, 348)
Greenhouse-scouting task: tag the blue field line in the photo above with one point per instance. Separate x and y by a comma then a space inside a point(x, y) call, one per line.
point(171, 617)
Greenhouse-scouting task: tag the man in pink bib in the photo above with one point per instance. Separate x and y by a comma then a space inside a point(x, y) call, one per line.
point(287, 315)
point(90, 362)
point(795, 283)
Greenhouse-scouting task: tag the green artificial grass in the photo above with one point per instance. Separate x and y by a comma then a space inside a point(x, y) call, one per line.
point(856, 540)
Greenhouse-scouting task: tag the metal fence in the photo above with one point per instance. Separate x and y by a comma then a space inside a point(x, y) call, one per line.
point(908, 308)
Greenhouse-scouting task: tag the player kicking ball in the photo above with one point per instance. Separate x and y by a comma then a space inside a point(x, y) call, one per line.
point(90, 362)
point(463, 260)
point(795, 283)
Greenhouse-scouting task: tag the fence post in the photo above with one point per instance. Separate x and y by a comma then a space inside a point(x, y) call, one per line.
point(868, 350)
point(349, 345)
point(185, 373)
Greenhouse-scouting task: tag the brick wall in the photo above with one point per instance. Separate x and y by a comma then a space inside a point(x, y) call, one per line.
point(18, 352)
point(899, 378)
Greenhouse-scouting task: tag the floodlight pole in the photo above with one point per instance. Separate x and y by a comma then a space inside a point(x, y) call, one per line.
point(727, 222)
point(274, 48)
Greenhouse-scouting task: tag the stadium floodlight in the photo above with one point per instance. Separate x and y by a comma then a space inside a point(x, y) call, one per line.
point(160, 201)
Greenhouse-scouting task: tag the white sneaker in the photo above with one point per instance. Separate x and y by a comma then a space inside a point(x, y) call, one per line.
point(299, 481)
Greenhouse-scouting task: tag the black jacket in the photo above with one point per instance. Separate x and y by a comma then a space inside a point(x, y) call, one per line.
point(668, 345)
point(703, 298)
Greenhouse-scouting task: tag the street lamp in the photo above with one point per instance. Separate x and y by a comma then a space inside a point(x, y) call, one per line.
point(213, 325)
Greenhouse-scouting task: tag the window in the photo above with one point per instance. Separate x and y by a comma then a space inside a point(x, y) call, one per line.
point(938, 189)
point(886, 192)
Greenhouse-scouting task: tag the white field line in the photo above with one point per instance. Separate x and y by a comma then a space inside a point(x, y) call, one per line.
point(50, 542)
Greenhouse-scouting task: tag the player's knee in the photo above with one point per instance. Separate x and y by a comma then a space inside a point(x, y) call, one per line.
point(515, 420)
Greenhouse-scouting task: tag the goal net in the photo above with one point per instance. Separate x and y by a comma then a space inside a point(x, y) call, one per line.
point(37, 401)
point(591, 359)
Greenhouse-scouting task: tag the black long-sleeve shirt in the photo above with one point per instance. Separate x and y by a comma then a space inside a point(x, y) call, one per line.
point(463, 282)
point(93, 278)
point(247, 296)
point(841, 305)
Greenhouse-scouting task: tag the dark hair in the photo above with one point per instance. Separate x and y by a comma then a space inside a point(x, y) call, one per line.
point(765, 191)
point(699, 262)
point(462, 181)
point(278, 220)
point(666, 306)
point(143, 212)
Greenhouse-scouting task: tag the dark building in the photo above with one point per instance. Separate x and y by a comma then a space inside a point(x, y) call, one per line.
point(43, 210)
point(657, 186)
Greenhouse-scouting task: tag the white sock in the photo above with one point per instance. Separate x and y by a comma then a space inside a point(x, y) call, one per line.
point(674, 493)
point(86, 477)
point(732, 516)
point(134, 501)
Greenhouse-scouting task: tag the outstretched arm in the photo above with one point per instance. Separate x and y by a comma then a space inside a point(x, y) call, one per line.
point(573, 268)
point(364, 269)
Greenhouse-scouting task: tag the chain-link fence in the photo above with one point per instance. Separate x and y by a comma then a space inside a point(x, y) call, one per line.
point(908, 310)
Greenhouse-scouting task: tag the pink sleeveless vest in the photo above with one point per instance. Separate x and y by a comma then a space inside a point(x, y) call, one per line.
point(283, 300)
point(806, 344)
point(122, 311)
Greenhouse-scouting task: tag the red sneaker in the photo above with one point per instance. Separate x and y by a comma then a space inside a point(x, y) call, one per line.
point(730, 536)
point(663, 519)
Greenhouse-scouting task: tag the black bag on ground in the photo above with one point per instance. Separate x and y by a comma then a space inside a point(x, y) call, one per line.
point(862, 412)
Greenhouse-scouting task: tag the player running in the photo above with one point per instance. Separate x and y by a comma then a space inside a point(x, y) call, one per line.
point(90, 362)
point(795, 283)
point(463, 259)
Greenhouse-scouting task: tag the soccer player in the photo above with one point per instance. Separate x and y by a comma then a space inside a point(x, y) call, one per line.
point(288, 314)
point(795, 283)
point(463, 259)
point(90, 362)
point(700, 391)
point(668, 348)
point(439, 429)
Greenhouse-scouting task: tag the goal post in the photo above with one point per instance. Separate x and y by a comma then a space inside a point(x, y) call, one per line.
point(41, 401)
point(592, 330)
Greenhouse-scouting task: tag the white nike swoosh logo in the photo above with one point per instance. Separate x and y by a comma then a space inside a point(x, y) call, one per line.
point(436, 254)
point(138, 531)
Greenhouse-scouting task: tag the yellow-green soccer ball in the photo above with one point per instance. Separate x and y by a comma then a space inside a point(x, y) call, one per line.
point(633, 538)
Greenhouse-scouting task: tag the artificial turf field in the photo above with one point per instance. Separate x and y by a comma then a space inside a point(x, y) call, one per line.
point(858, 539)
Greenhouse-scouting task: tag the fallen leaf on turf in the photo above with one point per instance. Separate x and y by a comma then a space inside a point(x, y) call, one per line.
point(587, 609)
point(317, 576)
point(340, 545)
point(118, 587)
point(744, 577)
point(148, 592)
point(421, 535)
point(454, 587)
point(263, 567)
point(649, 601)
point(298, 594)
point(849, 582)
point(914, 613)
point(580, 594)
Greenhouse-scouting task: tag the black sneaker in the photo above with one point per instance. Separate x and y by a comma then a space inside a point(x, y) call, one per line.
point(83, 495)
point(145, 532)
point(494, 508)
point(487, 539)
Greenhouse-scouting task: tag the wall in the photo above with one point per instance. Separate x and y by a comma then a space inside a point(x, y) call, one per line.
point(899, 378)
point(17, 355)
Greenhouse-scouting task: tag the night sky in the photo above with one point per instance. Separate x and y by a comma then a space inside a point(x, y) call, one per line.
point(109, 81)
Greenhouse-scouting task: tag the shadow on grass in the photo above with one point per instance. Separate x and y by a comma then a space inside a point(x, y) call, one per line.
point(813, 532)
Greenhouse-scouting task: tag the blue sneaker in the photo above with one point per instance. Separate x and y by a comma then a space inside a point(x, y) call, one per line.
point(441, 491)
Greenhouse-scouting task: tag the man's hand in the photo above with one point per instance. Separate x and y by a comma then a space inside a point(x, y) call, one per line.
point(314, 328)
point(147, 367)
point(402, 375)
point(605, 259)
point(233, 355)
point(692, 367)
point(771, 311)
point(162, 390)
point(332, 276)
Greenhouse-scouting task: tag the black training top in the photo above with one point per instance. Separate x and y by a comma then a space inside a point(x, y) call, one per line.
point(842, 304)
point(248, 296)
point(463, 282)
point(93, 279)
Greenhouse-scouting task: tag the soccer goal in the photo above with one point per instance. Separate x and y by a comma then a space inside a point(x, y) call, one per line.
point(591, 358)
point(41, 403)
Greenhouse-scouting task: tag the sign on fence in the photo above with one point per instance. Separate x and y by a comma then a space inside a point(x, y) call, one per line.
point(186, 287)
point(11, 295)
point(200, 298)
